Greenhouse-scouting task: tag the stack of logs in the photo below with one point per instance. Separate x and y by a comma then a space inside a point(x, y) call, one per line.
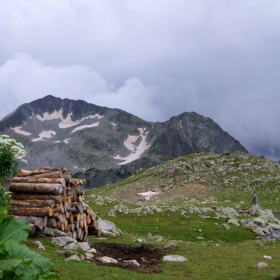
point(47, 198)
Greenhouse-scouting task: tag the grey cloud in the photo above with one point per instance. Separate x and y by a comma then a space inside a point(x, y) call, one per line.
point(154, 59)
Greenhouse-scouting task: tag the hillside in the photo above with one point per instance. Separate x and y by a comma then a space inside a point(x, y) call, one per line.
point(196, 207)
point(106, 145)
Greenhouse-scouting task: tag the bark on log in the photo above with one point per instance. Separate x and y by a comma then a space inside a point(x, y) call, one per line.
point(53, 189)
point(37, 196)
point(59, 217)
point(27, 211)
point(71, 227)
point(85, 238)
point(24, 173)
point(58, 210)
point(55, 174)
point(37, 221)
point(31, 179)
point(77, 225)
point(33, 203)
point(52, 223)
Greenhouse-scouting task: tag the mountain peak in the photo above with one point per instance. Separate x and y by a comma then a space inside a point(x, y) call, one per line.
point(84, 136)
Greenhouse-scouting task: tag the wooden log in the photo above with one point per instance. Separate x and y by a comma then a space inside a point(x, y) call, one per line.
point(80, 208)
point(18, 196)
point(88, 218)
point(71, 219)
point(52, 223)
point(81, 223)
point(77, 217)
point(77, 225)
point(27, 211)
point(85, 224)
point(85, 237)
point(54, 189)
point(61, 226)
point(33, 203)
point(81, 236)
point(80, 192)
point(87, 211)
point(24, 173)
point(31, 179)
point(58, 210)
point(67, 214)
point(71, 227)
point(32, 229)
point(72, 210)
point(54, 174)
point(37, 221)
point(58, 216)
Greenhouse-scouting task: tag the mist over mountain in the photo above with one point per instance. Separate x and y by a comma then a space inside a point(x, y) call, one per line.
point(105, 145)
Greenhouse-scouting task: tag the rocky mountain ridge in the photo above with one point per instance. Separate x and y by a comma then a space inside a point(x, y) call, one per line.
point(105, 145)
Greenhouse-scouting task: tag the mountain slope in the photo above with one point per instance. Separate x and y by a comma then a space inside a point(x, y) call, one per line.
point(106, 145)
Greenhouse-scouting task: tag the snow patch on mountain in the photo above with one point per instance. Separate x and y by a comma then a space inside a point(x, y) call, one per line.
point(65, 122)
point(85, 126)
point(44, 134)
point(18, 129)
point(136, 150)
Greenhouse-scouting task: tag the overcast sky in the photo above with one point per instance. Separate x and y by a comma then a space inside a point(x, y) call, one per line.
point(152, 58)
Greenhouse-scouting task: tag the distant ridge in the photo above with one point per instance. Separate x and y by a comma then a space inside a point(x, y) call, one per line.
point(106, 145)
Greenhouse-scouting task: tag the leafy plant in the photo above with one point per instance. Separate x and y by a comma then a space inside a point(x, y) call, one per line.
point(10, 149)
point(17, 261)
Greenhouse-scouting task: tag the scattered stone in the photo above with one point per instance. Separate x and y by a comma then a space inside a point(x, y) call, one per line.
point(174, 258)
point(84, 246)
point(259, 231)
point(168, 245)
point(107, 260)
point(39, 245)
point(107, 226)
point(63, 240)
point(92, 250)
point(51, 231)
point(267, 257)
point(234, 222)
point(73, 258)
point(108, 233)
point(132, 262)
point(89, 256)
point(71, 246)
point(255, 209)
point(261, 265)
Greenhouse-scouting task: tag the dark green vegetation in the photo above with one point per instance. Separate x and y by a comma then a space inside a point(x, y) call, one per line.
point(213, 250)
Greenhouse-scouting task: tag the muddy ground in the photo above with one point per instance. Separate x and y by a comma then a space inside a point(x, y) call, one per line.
point(147, 256)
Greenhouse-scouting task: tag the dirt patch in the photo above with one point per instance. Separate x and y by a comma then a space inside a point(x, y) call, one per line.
point(194, 187)
point(147, 256)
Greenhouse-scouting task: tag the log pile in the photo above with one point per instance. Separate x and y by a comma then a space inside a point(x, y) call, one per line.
point(48, 198)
